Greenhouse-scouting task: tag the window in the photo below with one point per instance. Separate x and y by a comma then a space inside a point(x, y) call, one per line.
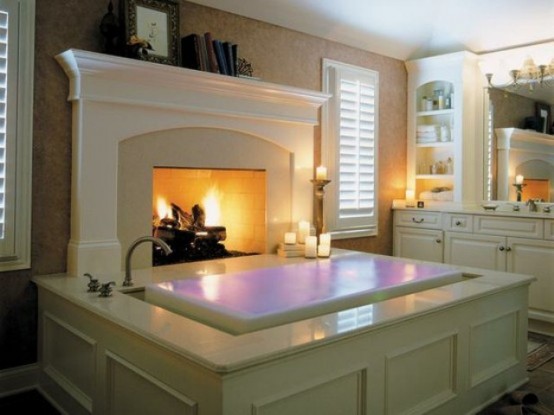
point(17, 19)
point(349, 148)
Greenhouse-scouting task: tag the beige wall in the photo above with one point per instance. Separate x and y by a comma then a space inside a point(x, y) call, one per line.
point(277, 55)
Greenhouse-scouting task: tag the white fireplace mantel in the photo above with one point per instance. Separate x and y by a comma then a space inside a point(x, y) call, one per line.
point(515, 146)
point(117, 98)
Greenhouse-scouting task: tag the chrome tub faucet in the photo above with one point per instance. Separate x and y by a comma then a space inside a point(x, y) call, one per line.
point(128, 281)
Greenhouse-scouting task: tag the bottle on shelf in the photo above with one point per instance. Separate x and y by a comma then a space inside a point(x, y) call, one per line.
point(449, 166)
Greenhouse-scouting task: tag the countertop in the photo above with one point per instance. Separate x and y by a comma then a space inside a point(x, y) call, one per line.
point(503, 209)
point(223, 352)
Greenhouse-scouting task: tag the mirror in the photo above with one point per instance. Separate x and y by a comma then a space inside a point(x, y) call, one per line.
point(519, 142)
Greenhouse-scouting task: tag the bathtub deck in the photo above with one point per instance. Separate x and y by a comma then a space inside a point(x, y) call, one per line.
point(251, 300)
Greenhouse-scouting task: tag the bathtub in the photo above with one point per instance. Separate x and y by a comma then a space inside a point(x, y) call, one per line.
point(246, 301)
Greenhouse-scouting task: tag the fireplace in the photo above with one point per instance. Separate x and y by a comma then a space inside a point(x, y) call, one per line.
point(124, 126)
point(208, 213)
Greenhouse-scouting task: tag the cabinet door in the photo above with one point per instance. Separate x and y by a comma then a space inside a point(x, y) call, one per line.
point(534, 257)
point(422, 244)
point(479, 251)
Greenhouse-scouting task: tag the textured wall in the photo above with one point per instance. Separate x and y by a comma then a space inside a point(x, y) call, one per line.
point(277, 55)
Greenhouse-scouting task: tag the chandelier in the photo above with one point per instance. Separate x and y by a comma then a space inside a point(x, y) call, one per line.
point(531, 67)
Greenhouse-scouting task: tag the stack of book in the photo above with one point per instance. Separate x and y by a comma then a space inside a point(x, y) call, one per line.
point(203, 53)
point(290, 250)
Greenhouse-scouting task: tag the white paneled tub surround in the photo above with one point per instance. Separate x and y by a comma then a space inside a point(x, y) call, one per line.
point(123, 355)
point(119, 102)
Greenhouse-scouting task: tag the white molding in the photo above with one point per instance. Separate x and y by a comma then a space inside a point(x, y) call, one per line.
point(112, 102)
point(19, 379)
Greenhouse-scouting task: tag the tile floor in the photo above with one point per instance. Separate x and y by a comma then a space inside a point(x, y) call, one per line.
point(541, 383)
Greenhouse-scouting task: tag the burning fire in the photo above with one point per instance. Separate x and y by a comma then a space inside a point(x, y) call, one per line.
point(212, 207)
point(164, 209)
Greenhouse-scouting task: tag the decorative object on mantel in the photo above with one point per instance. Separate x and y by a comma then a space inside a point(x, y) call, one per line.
point(153, 25)
point(245, 68)
point(137, 48)
point(110, 29)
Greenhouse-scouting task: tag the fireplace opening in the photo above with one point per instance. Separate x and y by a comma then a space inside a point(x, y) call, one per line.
point(208, 213)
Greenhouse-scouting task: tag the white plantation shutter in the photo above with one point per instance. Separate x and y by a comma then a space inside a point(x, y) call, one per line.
point(17, 19)
point(349, 147)
point(3, 115)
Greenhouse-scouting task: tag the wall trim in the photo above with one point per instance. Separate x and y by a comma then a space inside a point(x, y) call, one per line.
point(19, 379)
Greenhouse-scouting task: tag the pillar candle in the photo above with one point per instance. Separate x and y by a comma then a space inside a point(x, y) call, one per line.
point(323, 251)
point(410, 198)
point(519, 179)
point(325, 239)
point(311, 247)
point(290, 238)
point(321, 173)
point(303, 231)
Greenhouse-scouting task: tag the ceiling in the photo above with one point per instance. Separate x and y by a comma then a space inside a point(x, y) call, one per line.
point(409, 29)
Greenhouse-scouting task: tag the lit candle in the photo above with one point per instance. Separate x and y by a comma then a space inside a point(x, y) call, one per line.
point(323, 251)
point(321, 173)
point(290, 238)
point(410, 198)
point(519, 179)
point(325, 239)
point(303, 231)
point(311, 247)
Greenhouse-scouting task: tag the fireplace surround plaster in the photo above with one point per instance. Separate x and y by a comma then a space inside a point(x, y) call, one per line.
point(115, 99)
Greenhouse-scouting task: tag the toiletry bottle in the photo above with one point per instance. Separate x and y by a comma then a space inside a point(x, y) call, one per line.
point(449, 166)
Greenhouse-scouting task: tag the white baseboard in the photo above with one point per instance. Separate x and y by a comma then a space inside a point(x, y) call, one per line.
point(18, 379)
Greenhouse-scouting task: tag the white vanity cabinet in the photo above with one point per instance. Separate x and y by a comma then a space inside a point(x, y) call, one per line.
point(513, 243)
point(418, 235)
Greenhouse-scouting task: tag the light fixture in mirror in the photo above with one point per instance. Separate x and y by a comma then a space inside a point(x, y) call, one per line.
point(527, 67)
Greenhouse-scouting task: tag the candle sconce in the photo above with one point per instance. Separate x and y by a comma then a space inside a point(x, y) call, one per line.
point(319, 185)
point(519, 190)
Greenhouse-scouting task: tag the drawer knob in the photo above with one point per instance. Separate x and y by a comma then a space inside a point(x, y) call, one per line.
point(414, 220)
point(458, 223)
point(508, 249)
point(438, 240)
point(501, 248)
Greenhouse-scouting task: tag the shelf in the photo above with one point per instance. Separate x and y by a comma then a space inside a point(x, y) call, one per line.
point(435, 144)
point(434, 176)
point(435, 112)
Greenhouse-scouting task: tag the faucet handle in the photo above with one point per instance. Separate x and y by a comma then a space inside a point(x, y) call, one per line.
point(93, 285)
point(106, 289)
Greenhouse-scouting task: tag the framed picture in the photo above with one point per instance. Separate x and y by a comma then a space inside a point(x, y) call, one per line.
point(543, 113)
point(151, 30)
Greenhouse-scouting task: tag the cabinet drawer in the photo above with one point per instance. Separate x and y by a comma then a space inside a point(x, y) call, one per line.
point(508, 226)
point(549, 229)
point(416, 219)
point(457, 222)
